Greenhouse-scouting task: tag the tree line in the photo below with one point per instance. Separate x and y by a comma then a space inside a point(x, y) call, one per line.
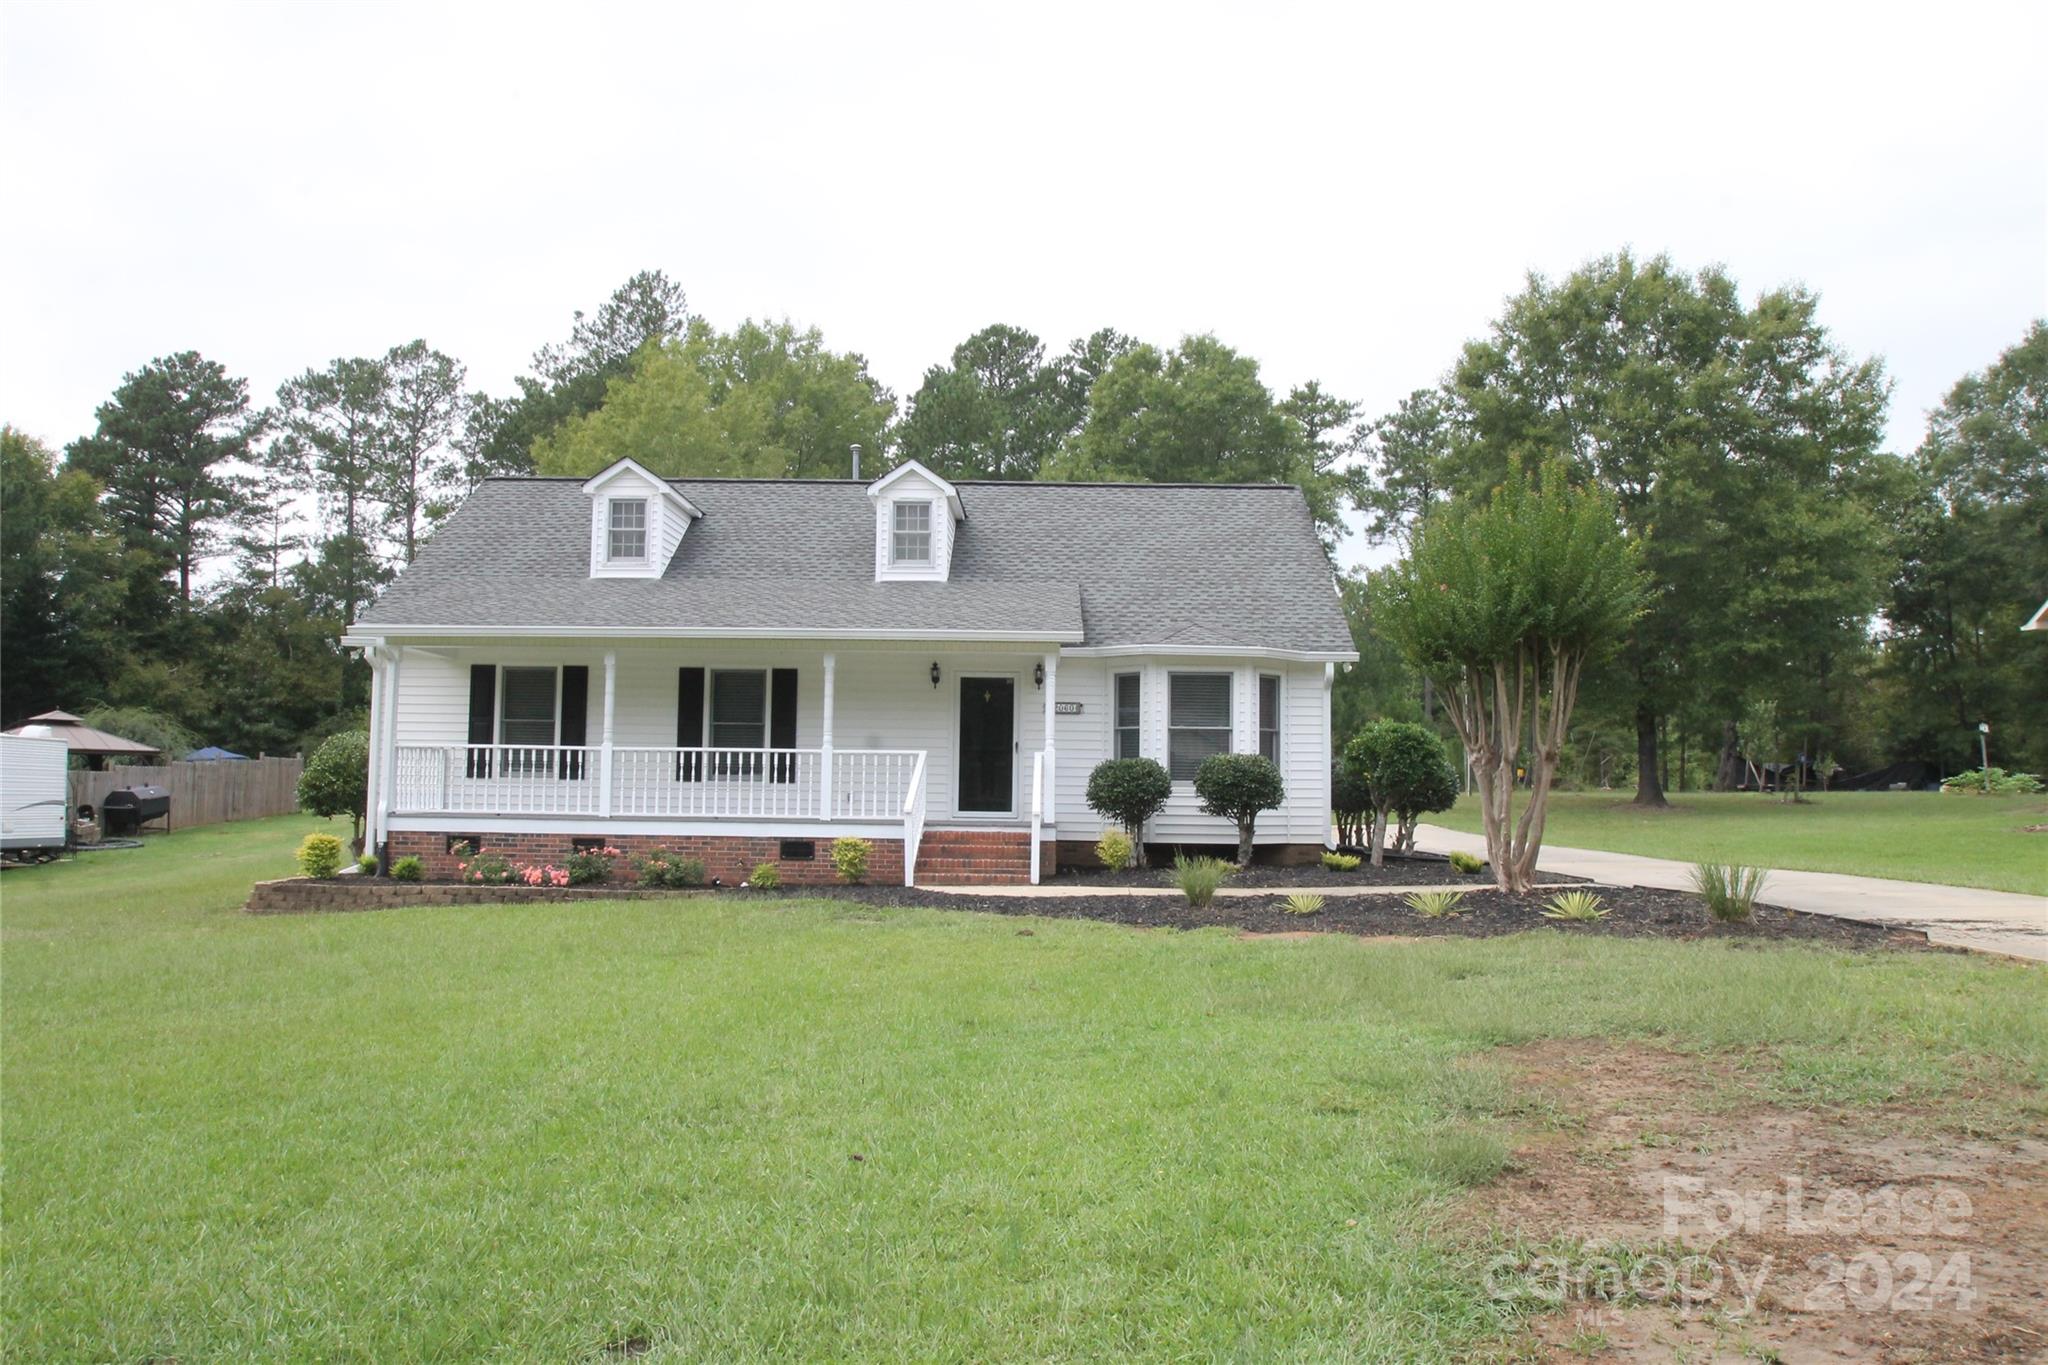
point(166, 560)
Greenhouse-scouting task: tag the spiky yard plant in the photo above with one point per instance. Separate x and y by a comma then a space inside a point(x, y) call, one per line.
point(1575, 907)
point(1729, 889)
point(1434, 904)
point(1303, 903)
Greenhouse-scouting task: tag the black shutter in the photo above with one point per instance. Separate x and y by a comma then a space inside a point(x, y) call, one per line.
point(690, 723)
point(782, 723)
point(483, 717)
point(575, 717)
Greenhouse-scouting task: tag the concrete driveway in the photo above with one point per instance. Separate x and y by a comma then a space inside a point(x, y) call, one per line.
point(1957, 916)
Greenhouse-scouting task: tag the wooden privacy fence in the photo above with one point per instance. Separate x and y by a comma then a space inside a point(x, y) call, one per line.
point(204, 793)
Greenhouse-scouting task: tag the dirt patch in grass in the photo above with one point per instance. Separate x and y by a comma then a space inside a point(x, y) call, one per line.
point(1686, 1221)
point(1633, 912)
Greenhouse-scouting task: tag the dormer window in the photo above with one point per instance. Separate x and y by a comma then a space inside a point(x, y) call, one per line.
point(913, 534)
point(626, 540)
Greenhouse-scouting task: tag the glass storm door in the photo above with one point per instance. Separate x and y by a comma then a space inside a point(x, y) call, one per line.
point(988, 750)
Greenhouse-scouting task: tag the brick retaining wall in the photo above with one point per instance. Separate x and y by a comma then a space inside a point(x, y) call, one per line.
point(729, 858)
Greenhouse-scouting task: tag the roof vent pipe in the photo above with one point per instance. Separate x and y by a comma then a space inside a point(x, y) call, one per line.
point(856, 462)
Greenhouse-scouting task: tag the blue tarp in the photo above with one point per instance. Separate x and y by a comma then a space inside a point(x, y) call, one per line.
point(212, 752)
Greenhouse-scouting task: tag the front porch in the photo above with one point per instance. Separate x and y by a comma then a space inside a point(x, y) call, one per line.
point(951, 777)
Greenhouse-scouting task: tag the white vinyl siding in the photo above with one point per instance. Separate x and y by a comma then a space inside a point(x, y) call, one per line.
point(1198, 721)
point(1269, 716)
point(1129, 720)
point(526, 712)
point(627, 538)
point(912, 543)
point(739, 709)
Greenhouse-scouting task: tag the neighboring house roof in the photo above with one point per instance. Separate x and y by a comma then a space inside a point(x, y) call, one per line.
point(1108, 566)
point(80, 737)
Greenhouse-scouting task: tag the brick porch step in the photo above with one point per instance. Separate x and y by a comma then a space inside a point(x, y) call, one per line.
point(967, 857)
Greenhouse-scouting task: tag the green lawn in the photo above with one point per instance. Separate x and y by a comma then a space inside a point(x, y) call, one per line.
point(814, 1129)
point(1915, 836)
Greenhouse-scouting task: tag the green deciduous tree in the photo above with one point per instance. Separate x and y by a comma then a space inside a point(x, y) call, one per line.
point(336, 781)
point(58, 566)
point(766, 401)
point(1129, 791)
point(1971, 545)
point(1237, 788)
point(1405, 775)
point(1504, 603)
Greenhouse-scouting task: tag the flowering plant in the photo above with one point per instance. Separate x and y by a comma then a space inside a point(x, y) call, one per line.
point(544, 874)
point(591, 866)
point(484, 869)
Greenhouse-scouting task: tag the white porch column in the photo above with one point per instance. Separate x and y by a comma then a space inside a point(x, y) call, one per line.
point(604, 758)
point(389, 740)
point(1052, 679)
point(825, 742)
point(374, 799)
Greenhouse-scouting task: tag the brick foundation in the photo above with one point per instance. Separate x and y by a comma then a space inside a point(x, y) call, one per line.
point(1081, 853)
point(729, 858)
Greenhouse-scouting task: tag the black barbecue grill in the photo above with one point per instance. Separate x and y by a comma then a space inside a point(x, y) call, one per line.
point(127, 809)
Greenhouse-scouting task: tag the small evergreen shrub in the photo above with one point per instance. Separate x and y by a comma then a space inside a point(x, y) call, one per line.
point(1435, 904)
point(320, 855)
point(1198, 878)
point(1129, 791)
point(1729, 889)
point(367, 864)
point(407, 869)
point(1576, 907)
point(765, 877)
point(1113, 850)
point(1467, 862)
point(1236, 787)
point(2002, 783)
point(1342, 862)
point(591, 866)
point(850, 859)
point(664, 871)
point(1303, 903)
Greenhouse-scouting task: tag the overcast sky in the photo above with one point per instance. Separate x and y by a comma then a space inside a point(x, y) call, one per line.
point(1345, 196)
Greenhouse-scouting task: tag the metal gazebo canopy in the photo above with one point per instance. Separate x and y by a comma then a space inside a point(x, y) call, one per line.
point(82, 739)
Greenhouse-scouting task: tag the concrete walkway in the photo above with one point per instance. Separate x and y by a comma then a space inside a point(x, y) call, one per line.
point(1956, 916)
point(1056, 890)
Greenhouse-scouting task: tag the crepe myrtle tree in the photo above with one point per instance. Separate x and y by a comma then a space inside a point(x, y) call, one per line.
point(1237, 787)
point(336, 781)
point(1503, 602)
point(1350, 799)
point(1404, 773)
point(1129, 791)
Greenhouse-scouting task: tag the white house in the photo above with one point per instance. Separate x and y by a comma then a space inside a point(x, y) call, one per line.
point(747, 669)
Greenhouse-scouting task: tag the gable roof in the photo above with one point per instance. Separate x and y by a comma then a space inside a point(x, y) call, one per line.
point(628, 465)
point(1106, 566)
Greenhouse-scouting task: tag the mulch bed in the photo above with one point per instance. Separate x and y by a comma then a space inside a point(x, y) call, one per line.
point(1635, 912)
point(1414, 869)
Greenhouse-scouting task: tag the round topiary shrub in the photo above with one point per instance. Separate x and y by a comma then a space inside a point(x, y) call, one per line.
point(336, 781)
point(320, 855)
point(1237, 787)
point(1129, 791)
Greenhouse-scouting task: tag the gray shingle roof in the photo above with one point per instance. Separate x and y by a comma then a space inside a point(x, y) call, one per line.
point(1114, 564)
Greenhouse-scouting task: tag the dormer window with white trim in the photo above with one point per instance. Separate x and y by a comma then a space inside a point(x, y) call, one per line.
point(637, 519)
point(913, 535)
point(917, 519)
point(626, 542)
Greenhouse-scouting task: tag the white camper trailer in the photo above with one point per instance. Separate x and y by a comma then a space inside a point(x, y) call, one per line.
point(35, 806)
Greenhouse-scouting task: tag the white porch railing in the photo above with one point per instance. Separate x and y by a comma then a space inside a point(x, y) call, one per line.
point(656, 783)
point(913, 822)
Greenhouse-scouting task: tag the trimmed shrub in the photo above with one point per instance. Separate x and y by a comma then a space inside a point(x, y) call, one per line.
point(1237, 787)
point(1467, 862)
point(591, 866)
point(367, 865)
point(408, 869)
point(765, 877)
point(1129, 791)
point(336, 780)
point(665, 871)
point(320, 855)
point(1198, 878)
point(1729, 889)
point(1342, 862)
point(1113, 850)
point(850, 859)
point(1405, 773)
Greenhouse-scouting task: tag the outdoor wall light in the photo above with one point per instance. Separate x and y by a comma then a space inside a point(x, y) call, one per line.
point(1038, 675)
point(935, 675)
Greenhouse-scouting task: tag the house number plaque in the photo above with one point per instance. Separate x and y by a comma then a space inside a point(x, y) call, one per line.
point(1066, 708)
